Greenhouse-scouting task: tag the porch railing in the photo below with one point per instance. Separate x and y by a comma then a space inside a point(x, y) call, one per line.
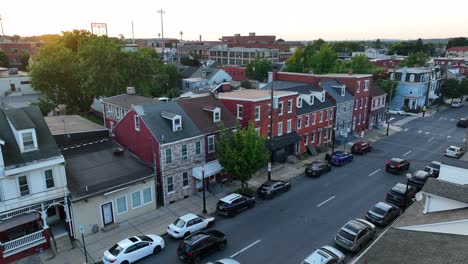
point(23, 241)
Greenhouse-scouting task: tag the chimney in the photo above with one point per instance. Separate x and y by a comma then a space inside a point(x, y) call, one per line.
point(237, 35)
point(130, 90)
point(200, 38)
point(252, 34)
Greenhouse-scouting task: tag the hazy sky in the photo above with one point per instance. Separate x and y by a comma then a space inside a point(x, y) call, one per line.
point(290, 20)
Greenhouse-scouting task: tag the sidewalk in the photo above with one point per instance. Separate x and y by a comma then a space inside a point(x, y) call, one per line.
point(156, 222)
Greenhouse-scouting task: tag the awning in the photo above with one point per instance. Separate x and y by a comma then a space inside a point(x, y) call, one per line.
point(18, 220)
point(284, 140)
point(211, 168)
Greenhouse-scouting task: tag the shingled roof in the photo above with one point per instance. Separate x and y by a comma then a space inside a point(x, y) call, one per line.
point(453, 191)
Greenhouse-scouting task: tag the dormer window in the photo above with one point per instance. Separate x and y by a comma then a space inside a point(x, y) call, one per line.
point(311, 100)
point(323, 96)
point(217, 115)
point(411, 78)
point(175, 118)
point(343, 90)
point(28, 140)
point(299, 102)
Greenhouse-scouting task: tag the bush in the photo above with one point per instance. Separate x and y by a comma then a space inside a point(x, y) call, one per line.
point(246, 192)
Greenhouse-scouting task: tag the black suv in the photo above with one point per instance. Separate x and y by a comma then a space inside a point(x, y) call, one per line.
point(397, 197)
point(396, 165)
point(234, 203)
point(200, 244)
point(463, 122)
point(317, 168)
point(272, 188)
point(419, 178)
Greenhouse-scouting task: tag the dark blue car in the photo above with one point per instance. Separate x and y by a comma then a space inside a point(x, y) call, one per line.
point(339, 158)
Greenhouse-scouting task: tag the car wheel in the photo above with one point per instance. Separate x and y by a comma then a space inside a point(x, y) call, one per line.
point(157, 249)
point(222, 246)
point(124, 262)
point(187, 234)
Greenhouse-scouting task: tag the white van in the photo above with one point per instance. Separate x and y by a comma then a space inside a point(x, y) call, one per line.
point(457, 103)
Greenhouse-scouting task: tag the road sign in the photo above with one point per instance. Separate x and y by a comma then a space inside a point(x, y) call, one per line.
point(81, 229)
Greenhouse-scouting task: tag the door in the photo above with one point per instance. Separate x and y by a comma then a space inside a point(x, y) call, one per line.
point(107, 214)
point(52, 215)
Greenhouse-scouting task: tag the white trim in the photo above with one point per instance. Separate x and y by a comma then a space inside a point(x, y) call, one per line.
point(131, 199)
point(259, 112)
point(240, 112)
point(114, 191)
point(143, 196)
point(188, 181)
point(117, 205)
point(101, 213)
point(135, 118)
point(167, 185)
point(208, 144)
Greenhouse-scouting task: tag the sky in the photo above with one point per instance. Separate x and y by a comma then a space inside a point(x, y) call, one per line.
point(289, 20)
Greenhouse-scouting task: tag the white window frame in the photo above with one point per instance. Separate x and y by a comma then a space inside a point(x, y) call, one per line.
point(299, 122)
point(212, 137)
point(19, 186)
point(358, 87)
point(217, 115)
point(117, 205)
point(240, 111)
point(312, 137)
point(321, 117)
point(45, 178)
point(280, 108)
point(307, 121)
point(183, 179)
point(411, 78)
point(362, 100)
point(257, 112)
point(139, 195)
point(356, 104)
point(330, 111)
point(117, 112)
point(184, 157)
point(172, 185)
point(314, 118)
point(257, 130)
point(143, 195)
point(198, 149)
point(290, 106)
point(166, 156)
point(306, 140)
point(289, 126)
point(366, 85)
point(136, 120)
point(364, 119)
point(34, 140)
point(280, 129)
point(299, 102)
point(365, 105)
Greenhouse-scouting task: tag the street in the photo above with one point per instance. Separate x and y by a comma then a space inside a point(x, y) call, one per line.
point(289, 227)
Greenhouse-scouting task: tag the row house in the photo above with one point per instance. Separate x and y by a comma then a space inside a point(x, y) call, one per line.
point(236, 72)
point(253, 106)
point(457, 52)
point(377, 107)
point(205, 77)
point(116, 107)
point(179, 139)
point(33, 186)
point(461, 64)
point(314, 113)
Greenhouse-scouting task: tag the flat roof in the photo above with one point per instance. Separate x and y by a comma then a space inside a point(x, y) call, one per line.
point(68, 124)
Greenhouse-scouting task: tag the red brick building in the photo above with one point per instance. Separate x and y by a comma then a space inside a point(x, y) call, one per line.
point(457, 63)
point(386, 63)
point(236, 72)
point(14, 50)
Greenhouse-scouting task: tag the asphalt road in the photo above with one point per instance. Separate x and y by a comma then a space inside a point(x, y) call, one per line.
point(288, 228)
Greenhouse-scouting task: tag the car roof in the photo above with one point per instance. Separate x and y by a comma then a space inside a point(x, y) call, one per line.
point(354, 226)
point(196, 237)
point(127, 242)
point(316, 257)
point(397, 160)
point(188, 217)
point(228, 199)
point(421, 174)
point(383, 206)
point(333, 250)
point(455, 147)
point(271, 182)
point(399, 187)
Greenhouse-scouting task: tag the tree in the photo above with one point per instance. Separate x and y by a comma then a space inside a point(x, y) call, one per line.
point(457, 42)
point(361, 64)
point(347, 46)
point(415, 60)
point(323, 61)
point(377, 44)
point(4, 61)
point(258, 69)
point(295, 63)
point(387, 86)
point(242, 153)
point(452, 89)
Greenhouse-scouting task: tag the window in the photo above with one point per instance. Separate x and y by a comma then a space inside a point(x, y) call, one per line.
point(356, 104)
point(358, 87)
point(137, 123)
point(280, 108)
point(123, 112)
point(313, 118)
point(366, 85)
point(299, 122)
point(49, 178)
point(240, 113)
point(168, 155)
point(306, 140)
point(184, 152)
point(257, 130)
point(299, 102)
point(306, 121)
point(311, 100)
point(211, 144)
point(289, 106)
point(23, 185)
point(361, 104)
point(198, 148)
point(216, 115)
point(411, 78)
point(28, 140)
point(289, 126)
point(147, 197)
point(280, 128)
point(392, 76)
point(330, 112)
point(321, 117)
point(359, 120)
point(373, 102)
point(121, 205)
point(185, 181)
point(170, 184)
point(136, 199)
point(364, 119)
point(117, 112)
point(257, 113)
point(312, 137)
point(365, 105)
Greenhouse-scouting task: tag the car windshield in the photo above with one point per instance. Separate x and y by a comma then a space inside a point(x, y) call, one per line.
point(115, 250)
point(378, 210)
point(179, 223)
point(346, 235)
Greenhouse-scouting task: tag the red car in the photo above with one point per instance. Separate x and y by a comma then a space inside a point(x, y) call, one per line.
point(361, 148)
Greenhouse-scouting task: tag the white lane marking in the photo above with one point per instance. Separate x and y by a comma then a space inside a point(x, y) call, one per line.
point(452, 119)
point(244, 249)
point(407, 153)
point(406, 129)
point(324, 202)
point(430, 139)
point(374, 172)
point(441, 118)
point(420, 131)
point(427, 133)
point(391, 119)
point(449, 136)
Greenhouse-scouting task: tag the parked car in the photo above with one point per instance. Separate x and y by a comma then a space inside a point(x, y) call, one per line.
point(397, 165)
point(463, 122)
point(418, 179)
point(355, 234)
point(338, 158)
point(188, 224)
point(133, 249)
point(317, 168)
point(454, 152)
point(325, 255)
point(397, 196)
point(200, 244)
point(225, 261)
point(433, 168)
point(456, 103)
point(396, 111)
point(234, 203)
point(383, 213)
point(361, 148)
point(272, 188)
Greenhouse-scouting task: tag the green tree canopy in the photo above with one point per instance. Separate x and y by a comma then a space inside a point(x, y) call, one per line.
point(4, 61)
point(347, 46)
point(258, 69)
point(389, 86)
point(407, 48)
point(415, 60)
point(457, 42)
point(323, 61)
point(453, 88)
point(242, 153)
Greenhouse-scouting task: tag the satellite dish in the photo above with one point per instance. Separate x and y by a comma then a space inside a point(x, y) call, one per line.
point(419, 196)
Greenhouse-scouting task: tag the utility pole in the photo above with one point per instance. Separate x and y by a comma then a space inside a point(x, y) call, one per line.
point(271, 127)
point(426, 100)
point(162, 12)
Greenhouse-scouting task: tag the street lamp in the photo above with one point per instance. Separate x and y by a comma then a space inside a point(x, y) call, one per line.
point(203, 186)
point(408, 177)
